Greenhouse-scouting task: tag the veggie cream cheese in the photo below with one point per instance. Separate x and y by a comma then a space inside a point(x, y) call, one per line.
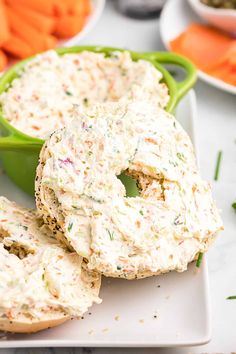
point(77, 190)
point(38, 277)
point(42, 99)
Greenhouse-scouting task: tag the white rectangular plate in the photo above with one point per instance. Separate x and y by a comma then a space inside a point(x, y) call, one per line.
point(168, 310)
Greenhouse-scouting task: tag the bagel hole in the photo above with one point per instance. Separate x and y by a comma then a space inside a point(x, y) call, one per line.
point(130, 185)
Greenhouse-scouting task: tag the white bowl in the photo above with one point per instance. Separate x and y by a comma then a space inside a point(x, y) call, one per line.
point(224, 19)
point(175, 18)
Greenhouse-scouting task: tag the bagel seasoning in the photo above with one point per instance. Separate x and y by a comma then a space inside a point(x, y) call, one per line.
point(42, 98)
point(41, 283)
point(77, 191)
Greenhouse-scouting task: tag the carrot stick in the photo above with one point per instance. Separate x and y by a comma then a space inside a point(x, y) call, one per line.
point(40, 22)
point(75, 7)
point(37, 41)
point(46, 7)
point(60, 8)
point(17, 47)
point(202, 44)
point(3, 60)
point(87, 7)
point(68, 26)
point(4, 30)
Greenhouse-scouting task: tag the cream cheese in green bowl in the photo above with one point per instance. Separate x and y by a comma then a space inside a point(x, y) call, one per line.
point(39, 95)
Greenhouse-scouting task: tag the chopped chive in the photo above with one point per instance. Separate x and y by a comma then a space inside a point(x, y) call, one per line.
point(181, 156)
point(231, 297)
point(70, 226)
point(234, 206)
point(111, 234)
point(141, 212)
point(68, 93)
point(199, 260)
point(218, 162)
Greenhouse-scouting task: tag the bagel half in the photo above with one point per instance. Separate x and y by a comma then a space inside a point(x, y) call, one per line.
point(42, 284)
point(173, 219)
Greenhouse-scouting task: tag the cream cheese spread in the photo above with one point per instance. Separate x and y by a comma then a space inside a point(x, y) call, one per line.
point(77, 189)
point(48, 88)
point(38, 277)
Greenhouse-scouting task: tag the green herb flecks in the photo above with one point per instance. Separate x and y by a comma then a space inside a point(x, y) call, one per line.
point(218, 163)
point(175, 164)
point(85, 100)
point(232, 297)
point(181, 156)
point(76, 207)
point(70, 226)
point(68, 93)
point(111, 235)
point(199, 260)
point(141, 212)
point(234, 206)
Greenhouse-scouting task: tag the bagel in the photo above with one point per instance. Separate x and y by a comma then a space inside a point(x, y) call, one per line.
point(41, 283)
point(173, 219)
point(42, 98)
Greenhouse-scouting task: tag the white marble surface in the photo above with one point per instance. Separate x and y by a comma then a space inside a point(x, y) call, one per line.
point(217, 131)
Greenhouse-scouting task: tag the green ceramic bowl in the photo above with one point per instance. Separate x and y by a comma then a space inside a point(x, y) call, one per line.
point(19, 152)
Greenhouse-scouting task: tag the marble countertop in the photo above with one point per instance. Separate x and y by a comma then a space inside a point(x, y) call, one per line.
point(216, 131)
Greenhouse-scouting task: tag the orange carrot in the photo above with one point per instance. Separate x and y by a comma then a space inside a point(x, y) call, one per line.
point(4, 28)
point(232, 54)
point(69, 4)
point(46, 7)
point(60, 8)
point(40, 22)
point(17, 47)
point(202, 44)
point(37, 41)
point(68, 26)
point(3, 60)
point(76, 7)
point(211, 50)
point(225, 73)
point(87, 7)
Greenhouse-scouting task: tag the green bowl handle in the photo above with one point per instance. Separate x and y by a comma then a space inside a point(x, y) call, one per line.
point(15, 143)
point(175, 59)
point(12, 139)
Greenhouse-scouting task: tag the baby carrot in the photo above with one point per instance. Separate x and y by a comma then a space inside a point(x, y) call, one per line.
point(37, 41)
point(4, 29)
point(3, 60)
point(45, 7)
point(17, 47)
point(68, 26)
point(40, 22)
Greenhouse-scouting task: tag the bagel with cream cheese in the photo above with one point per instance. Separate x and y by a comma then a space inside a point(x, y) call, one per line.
point(78, 191)
point(41, 283)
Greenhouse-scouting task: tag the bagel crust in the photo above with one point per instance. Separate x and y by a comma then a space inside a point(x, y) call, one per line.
point(42, 284)
point(173, 219)
point(25, 325)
